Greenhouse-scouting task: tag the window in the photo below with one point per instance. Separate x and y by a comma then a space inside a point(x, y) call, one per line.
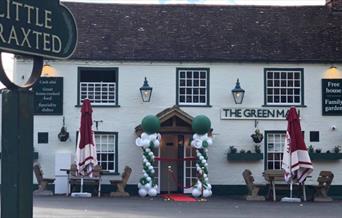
point(275, 141)
point(193, 86)
point(284, 86)
point(99, 85)
point(107, 150)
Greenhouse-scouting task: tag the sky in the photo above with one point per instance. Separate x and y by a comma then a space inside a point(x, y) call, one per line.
point(8, 59)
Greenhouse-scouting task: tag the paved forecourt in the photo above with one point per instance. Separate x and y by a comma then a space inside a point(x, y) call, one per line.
point(136, 207)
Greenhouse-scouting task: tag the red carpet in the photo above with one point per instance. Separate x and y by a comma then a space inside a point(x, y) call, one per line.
point(179, 197)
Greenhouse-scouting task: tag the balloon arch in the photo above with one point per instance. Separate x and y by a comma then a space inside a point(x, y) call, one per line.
point(150, 139)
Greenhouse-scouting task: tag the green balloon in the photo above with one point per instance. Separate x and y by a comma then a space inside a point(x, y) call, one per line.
point(150, 124)
point(201, 124)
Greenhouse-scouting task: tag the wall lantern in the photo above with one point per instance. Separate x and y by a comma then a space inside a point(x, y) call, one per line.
point(48, 70)
point(238, 93)
point(332, 73)
point(146, 91)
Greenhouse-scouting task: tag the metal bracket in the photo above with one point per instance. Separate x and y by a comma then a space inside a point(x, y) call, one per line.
point(35, 75)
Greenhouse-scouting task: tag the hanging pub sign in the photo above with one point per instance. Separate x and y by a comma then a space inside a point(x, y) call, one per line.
point(332, 97)
point(40, 28)
point(254, 113)
point(48, 96)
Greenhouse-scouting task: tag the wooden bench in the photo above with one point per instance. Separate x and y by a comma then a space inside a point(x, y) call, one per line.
point(121, 184)
point(253, 190)
point(324, 180)
point(75, 179)
point(42, 181)
point(276, 181)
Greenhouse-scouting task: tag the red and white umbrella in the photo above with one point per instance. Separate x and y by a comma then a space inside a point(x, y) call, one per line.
point(86, 148)
point(296, 159)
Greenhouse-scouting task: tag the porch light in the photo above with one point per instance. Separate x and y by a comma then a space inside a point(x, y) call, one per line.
point(238, 93)
point(48, 70)
point(332, 73)
point(146, 91)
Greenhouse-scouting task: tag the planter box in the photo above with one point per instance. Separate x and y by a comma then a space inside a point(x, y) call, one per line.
point(245, 156)
point(325, 156)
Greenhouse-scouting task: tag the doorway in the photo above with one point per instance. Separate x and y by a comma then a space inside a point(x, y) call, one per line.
point(177, 164)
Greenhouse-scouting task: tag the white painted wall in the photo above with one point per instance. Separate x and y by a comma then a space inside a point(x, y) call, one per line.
point(162, 77)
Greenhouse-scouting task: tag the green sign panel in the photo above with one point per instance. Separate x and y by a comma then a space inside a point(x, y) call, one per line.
point(332, 97)
point(48, 96)
point(42, 28)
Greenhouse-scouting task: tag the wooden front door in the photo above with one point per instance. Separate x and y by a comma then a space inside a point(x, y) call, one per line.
point(169, 164)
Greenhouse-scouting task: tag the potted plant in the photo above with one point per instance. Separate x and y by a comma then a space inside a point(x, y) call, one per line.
point(257, 136)
point(337, 149)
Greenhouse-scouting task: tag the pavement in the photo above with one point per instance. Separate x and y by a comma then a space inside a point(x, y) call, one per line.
point(136, 207)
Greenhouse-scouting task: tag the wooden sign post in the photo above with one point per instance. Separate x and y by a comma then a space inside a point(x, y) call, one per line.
point(37, 29)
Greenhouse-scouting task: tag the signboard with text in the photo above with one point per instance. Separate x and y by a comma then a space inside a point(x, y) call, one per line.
point(48, 96)
point(41, 28)
point(254, 113)
point(332, 97)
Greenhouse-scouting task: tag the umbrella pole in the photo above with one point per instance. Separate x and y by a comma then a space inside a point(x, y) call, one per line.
point(291, 186)
point(81, 184)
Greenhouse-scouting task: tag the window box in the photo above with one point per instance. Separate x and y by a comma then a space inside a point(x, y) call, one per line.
point(325, 156)
point(245, 156)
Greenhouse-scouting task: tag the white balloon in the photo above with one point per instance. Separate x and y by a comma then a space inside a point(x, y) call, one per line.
point(196, 192)
point(148, 164)
point(203, 161)
point(144, 135)
point(145, 143)
point(147, 149)
point(152, 171)
point(210, 141)
point(150, 168)
point(152, 192)
point(139, 185)
point(148, 186)
point(150, 153)
point(201, 158)
point(156, 143)
point(195, 136)
point(206, 193)
point(149, 179)
point(138, 142)
point(209, 187)
point(199, 185)
point(145, 175)
point(142, 192)
point(206, 164)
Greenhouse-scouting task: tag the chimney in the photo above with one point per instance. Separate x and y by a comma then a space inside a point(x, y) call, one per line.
point(334, 5)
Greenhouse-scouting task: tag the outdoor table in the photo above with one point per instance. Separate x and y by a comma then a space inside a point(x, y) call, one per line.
point(84, 179)
point(274, 177)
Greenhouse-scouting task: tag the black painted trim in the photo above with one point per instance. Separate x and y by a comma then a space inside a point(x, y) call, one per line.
point(285, 69)
point(265, 144)
point(208, 86)
point(116, 171)
point(115, 69)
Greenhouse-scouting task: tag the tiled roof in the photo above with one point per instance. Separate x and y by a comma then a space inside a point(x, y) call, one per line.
point(207, 33)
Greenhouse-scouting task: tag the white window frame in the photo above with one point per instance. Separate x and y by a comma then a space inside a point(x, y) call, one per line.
point(99, 93)
point(284, 88)
point(277, 140)
point(102, 143)
point(193, 85)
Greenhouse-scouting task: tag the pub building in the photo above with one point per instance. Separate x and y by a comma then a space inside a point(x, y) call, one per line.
point(241, 66)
